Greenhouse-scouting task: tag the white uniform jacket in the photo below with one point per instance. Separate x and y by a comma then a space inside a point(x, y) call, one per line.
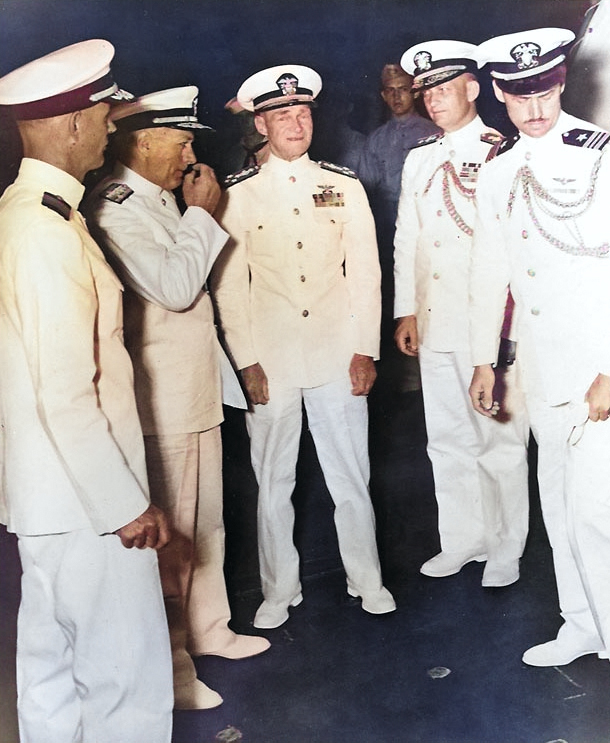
point(298, 284)
point(561, 294)
point(73, 456)
point(165, 259)
point(432, 245)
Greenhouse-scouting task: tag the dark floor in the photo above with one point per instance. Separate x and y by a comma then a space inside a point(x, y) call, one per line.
point(335, 674)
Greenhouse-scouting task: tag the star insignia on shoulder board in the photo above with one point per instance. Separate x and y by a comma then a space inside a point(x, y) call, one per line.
point(116, 192)
point(504, 145)
point(423, 141)
point(241, 175)
point(594, 139)
point(337, 168)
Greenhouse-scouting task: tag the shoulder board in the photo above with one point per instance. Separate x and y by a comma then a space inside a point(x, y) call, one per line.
point(116, 192)
point(594, 139)
point(337, 168)
point(491, 138)
point(429, 140)
point(241, 175)
point(504, 145)
point(57, 204)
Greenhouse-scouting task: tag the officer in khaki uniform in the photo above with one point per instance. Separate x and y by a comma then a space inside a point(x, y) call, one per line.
point(479, 465)
point(181, 371)
point(542, 229)
point(297, 288)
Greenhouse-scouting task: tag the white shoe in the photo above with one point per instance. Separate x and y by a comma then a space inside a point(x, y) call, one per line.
point(449, 563)
point(560, 652)
point(271, 615)
point(196, 695)
point(375, 602)
point(498, 575)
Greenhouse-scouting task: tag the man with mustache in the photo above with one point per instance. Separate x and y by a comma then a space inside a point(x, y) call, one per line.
point(542, 230)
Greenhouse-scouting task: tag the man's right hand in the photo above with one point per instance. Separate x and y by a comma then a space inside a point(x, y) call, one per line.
point(405, 335)
point(150, 529)
point(200, 188)
point(482, 389)
point(255, 381)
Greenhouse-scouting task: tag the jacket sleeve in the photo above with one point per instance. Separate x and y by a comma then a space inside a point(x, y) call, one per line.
point(489, 276)
point(363, 273)
point(230, 283)
point(170, 271)
point(405, 242)
point(56, 309)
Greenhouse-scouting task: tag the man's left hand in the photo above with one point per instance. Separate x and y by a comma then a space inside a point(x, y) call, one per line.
point(362, 374)
point(598, 397)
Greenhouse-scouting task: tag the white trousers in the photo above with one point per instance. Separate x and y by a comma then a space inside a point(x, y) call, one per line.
point(185, 475)
point(338, 422)
point(93, 657)
point(479, 464)
point(574, 483)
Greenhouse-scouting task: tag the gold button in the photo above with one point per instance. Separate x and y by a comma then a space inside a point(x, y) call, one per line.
point(524, 234)
point(332, 221)
point(299, 245)
point(437, 243)
point(439, 213)
point(292, 179)
point(302, 278)
point(260, 227)
point(531, 272)
point(296, 211)
point(436, 275)
point(305, 313)
point(535, 311)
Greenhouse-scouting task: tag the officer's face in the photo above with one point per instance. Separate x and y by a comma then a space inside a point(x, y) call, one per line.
point(397, 95)
point(535, 114)
point(289, 130)
point(451, 104)
point(169, 153)
point(95, 128)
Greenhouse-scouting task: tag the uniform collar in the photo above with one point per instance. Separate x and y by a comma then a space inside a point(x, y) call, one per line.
point(466, 133)
point(277, 165)
point(45, 177)
point(139, 184)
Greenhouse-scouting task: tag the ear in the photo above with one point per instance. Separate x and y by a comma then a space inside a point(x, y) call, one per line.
point(143, 141)
point(384, 95)
point(260, 124)
point(74, 123)
point(498, 92)
point(472, 90)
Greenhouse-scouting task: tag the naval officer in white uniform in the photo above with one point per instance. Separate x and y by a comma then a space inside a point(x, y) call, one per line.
point(479, 464)
point(542, 229)
point(298, 292)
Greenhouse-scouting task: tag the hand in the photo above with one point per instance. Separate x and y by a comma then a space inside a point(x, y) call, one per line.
point(200, 188)
point(481, 391)
point(256, 384)
point(362, 374)
point(598, 397)
point(405, 335)
point(150, 529)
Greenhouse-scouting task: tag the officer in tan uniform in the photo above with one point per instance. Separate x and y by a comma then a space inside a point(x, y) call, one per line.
point(181, 371)
point(479, 464)
point(298, 293)
point(93, 654)
point(542, 229)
